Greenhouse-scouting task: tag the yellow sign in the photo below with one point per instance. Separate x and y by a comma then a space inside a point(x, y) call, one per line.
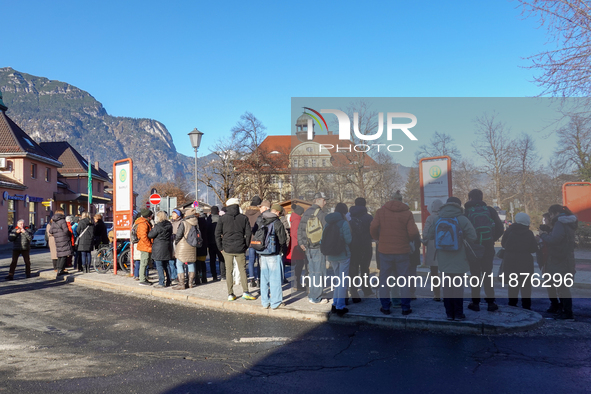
point(46, 203)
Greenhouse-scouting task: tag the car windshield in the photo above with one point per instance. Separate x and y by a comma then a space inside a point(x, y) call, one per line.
point(41, 231)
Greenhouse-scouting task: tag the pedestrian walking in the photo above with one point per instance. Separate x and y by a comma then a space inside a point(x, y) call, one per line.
point(161, 233)
point(430, 256)
point(85, 241)
point(448, 232)
point(336, 238)
point(63, 240)
point(232, 236)
point(394, 227)
point(309, 238)
point(270, 257)
point(21, 245)
point(489, 228)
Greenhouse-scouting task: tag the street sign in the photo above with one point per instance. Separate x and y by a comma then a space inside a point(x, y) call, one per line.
point(155, 199)
point(122, 203)
point(147, 204)
point(195, 204)
point(101, 208)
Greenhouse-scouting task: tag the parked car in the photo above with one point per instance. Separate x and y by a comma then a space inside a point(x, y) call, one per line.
point(39, 239)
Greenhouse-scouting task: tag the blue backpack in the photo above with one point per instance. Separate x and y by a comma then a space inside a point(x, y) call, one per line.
point(448, 234)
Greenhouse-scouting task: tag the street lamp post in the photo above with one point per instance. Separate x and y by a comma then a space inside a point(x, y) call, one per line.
point(195, 137)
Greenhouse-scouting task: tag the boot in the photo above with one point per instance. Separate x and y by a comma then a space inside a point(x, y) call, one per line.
point(182, 285)
point(191, 279)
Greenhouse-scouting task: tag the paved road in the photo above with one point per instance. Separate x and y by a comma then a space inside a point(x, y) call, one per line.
point(58, 337)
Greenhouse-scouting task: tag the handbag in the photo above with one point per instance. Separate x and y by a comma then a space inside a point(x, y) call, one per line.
point(77, 241)
point(474, 251)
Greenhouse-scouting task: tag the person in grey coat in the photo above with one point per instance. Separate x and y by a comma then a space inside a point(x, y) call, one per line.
point(63, 240)
point(21, 245)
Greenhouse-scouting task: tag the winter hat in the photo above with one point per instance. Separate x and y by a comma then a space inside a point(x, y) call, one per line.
point(454, 200)
point(215, 210)
point(297, 209)
point(178, 212)
point(397, 196)
point(277, 207)
point(434, 206)
point(341, 208)
point(146, 213)
point(232, 201)
point(256, 201)
point(190, 211)
point(360, 202)
point(523, 218)
point(265, 203)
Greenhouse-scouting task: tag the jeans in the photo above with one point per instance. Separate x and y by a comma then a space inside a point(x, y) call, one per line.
point(86, 259)
point(15, 254)
point(241, 263)
point(144, 260)
point(390, 264)
point(316, 273)
point(253, 271)
point(271, 280)
point(136, 269)
point(184, 268)
point(341, 270)
point(162, 268)
point(172, 269)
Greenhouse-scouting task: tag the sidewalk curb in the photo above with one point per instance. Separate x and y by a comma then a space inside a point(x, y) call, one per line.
point(392, 321)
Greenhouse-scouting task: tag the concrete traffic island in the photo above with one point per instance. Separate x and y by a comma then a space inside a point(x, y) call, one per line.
point(427, 315)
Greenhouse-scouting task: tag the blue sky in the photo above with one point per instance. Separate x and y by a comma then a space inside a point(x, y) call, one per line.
point(203, 64)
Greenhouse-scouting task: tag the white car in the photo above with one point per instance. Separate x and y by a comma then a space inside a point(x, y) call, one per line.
point(39, 239)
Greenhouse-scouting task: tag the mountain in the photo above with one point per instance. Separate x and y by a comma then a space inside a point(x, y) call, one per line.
point(50, 110)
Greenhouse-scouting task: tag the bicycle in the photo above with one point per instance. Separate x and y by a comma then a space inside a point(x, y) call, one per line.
point(103, 260)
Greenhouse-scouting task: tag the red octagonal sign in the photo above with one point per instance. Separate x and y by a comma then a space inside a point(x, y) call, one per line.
point(155, 199)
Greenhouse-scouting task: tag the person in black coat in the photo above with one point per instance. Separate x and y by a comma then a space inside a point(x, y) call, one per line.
point(63, 239)
point(361, 246)
point(202, 251)
point(101, 236)
point(214, 252)
point(519, 243)
point(161, 233)
point(21, 239)
point(85, 240)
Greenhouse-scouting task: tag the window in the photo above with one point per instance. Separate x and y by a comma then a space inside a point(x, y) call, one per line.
point(32, 212)
point(309, 149)
point(323, 162)
point(47, 174)
point(295, 163)
point(273, 179)
point(305, 162)
point(11, 213)
point(98, 187)
point(313, 162)
point(311, 178)
point(33, 171)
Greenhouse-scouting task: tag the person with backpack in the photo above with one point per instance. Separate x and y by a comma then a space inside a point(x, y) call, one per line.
point(336, 238)
point(232, 237)
point(214, 253)
point(175, 220)
point(394, 227)
point(143, 226)
point(186, 249)
point(519, 243)
point(298, 257)
point(489, 228)
point(561, 259)
point(361, 246)
point(275, 243)
point(21, 245)
point(309, 238)
point(448, 232)
point(253, 213)
point(161, 233)
point(430, 257)
point(84, 242)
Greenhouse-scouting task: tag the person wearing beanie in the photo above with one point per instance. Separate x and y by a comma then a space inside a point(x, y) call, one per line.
point(452, 263)
point(519, 243)
point(489, 229)
point(394, 227)
point(397, 196)
point(298, 258)
point(256, 201)
point(232, 237)
point(361, 246)
point(214, 252)
point(336, 239)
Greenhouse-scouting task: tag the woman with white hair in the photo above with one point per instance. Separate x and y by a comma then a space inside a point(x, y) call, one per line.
point(21, 245)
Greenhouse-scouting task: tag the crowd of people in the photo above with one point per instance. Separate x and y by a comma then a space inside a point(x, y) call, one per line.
point(459, 239)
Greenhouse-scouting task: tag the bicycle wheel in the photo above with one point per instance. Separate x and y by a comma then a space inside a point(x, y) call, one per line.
point(124, 261)
point(103, 260)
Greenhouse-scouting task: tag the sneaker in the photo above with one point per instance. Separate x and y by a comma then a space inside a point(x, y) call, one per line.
point(566, 316)
point(279, 306)
point(248, 296)
point(231, 297)
point(474, 307)
point(492, 307)
point(341, 312)
point(406, 312)
point(385, 311)
point(145, 283)
point(461, 317)
point(253, 283)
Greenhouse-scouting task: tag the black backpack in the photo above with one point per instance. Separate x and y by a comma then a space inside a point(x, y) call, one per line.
point(332, 243)
point(482, 221)
point(194, 237)
point(259, 239)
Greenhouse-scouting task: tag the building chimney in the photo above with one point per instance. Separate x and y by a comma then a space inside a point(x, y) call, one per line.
point(329, 132)
point(96, 165)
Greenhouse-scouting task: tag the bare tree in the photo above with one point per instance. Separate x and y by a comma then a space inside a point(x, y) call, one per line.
point(465, 177)
point(495, 147)
point(412, 189)
point(574, 147)
point(566, 70)
point(440, 144)
point(388, 179)
point(220, 174)
point(527, 158)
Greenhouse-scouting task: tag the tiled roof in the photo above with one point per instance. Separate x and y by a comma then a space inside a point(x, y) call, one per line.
point(13, 140)
point(73, 161)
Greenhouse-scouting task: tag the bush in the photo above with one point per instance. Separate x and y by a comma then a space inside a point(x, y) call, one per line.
point(583, 235)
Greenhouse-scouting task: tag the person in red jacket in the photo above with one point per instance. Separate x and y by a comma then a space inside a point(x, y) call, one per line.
point(394, 227)
point(298, 257)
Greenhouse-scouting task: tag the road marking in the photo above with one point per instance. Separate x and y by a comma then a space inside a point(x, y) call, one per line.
point(277, 339)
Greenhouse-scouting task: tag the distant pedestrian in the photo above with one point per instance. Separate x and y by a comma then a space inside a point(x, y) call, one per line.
point(309, 237)
point(270, 258)
point(451, 225)
point(63, 240)
point(519, 243)
point(561, 259)
point(361, 247)
point(85, 240)
point(336, 239)
point(21, 245)
point(161, 233)
point(431, 257)
point(232, 236)
point(214, 253)
point(144, 226)
point(489, 228)
point(394, 227)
